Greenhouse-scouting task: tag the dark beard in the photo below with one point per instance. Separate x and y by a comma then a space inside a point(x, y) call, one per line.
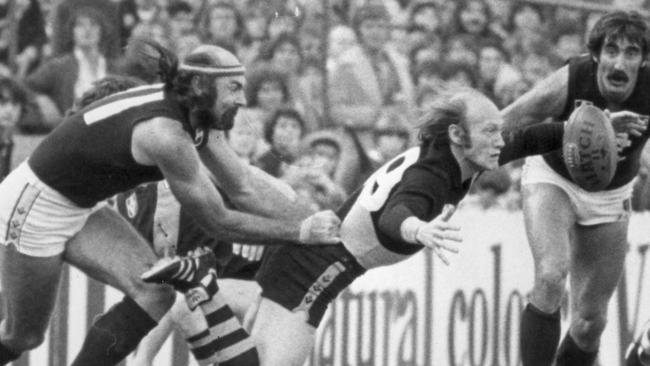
point(226, 120)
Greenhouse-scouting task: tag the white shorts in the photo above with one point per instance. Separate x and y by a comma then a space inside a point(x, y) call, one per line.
point(591, 208)
point(35, 218)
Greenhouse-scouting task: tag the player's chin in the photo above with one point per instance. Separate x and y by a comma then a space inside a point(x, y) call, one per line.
point(617, 92)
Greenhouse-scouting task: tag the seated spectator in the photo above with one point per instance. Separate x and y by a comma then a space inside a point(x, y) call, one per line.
point(429, 50)
point(283, 21)
point(494, 71)
point(341, 39)
point(13, 99)
point(283, 133)
point(461, 48)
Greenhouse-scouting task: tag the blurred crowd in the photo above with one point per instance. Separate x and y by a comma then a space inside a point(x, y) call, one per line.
point(335, 88)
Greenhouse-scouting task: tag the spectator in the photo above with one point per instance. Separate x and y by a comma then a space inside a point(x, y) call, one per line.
point(186, 43)
point(458, 75)
point(370, 78)
point(312, 175)
point(283, 133)
point(267, 91)
point(494, 71)
point(66, 10)
point(13, 99)
point(429, 50)
point(224, 24)
point(474, 18)
point(285, 54)
point(448, 21)
point(568, 41)
point(535, 67)
point(462, 48)
point(66, 77)
point(429, 74)
point(283, 21)
point(529, 34)
point(23, 41)
point(156, 30)
point(341, 39)
point(425, 14)
point(181, 19)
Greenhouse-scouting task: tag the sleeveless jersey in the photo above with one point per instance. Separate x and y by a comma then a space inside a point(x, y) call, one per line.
point(583, 85)
point(419, 182)
point(88, 157)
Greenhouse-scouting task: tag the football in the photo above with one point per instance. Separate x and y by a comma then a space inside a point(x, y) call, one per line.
point(589, 148)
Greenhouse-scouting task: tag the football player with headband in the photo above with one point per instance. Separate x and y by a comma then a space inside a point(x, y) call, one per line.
point(53, 201)
point(402, 208)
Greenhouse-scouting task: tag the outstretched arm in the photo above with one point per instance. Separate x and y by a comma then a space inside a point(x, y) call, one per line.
point(251, 189)
point(545, 99)
point(163, 142)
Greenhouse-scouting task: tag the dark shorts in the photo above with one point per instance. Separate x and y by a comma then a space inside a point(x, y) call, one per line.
point(307, 278)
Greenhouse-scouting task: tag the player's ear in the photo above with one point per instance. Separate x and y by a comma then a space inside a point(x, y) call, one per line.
point(197, 87)
point(456, 134)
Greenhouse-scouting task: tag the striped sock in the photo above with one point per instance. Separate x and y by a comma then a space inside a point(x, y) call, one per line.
point(224, 341)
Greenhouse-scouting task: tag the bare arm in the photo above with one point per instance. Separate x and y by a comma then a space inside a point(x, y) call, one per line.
point(546, 99)
point(163, 142)
point(252, 190)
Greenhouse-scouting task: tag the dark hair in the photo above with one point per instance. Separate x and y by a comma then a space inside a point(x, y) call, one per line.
point(240, 32)
point(105, 87)
point(261, 75)
point(616, 25)
point(271, 46)
point(179, 6)
point(486, 9)
point(98, 18)
point(450, 108)
point(450, 69)
point(282, 112)
point(369, 11)
point(324, 140)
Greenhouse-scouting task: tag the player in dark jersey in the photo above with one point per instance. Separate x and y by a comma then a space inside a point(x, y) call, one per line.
point(53, 201)
point(403, 207)
point(570, 230)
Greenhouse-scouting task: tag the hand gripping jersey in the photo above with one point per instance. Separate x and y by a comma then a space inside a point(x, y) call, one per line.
point(419, 182)
point(583, 85)
point(88, 157)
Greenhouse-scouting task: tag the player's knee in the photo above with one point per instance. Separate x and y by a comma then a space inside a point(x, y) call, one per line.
point(552, 279)
point(588, 328)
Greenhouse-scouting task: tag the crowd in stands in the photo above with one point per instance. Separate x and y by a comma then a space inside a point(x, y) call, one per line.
point(332, 93)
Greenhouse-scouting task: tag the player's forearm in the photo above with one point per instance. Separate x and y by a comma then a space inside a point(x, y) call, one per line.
point(270, 197)
point(537, 139)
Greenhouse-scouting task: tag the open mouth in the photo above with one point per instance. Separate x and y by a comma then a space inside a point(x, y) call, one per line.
point(618, 79)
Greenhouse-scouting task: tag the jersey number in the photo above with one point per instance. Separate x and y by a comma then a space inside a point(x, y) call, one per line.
point(378, 186)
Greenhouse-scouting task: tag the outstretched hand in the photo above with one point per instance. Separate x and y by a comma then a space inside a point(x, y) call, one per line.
point(439, 235)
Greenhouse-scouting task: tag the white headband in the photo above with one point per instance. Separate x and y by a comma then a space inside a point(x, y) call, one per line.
point(216, 71)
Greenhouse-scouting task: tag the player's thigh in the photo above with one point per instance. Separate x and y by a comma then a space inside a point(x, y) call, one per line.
point(283, 337)
point(111, 251)
point(549, 218)
point(29, 288)
point(598, 259)
point(240, 294)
